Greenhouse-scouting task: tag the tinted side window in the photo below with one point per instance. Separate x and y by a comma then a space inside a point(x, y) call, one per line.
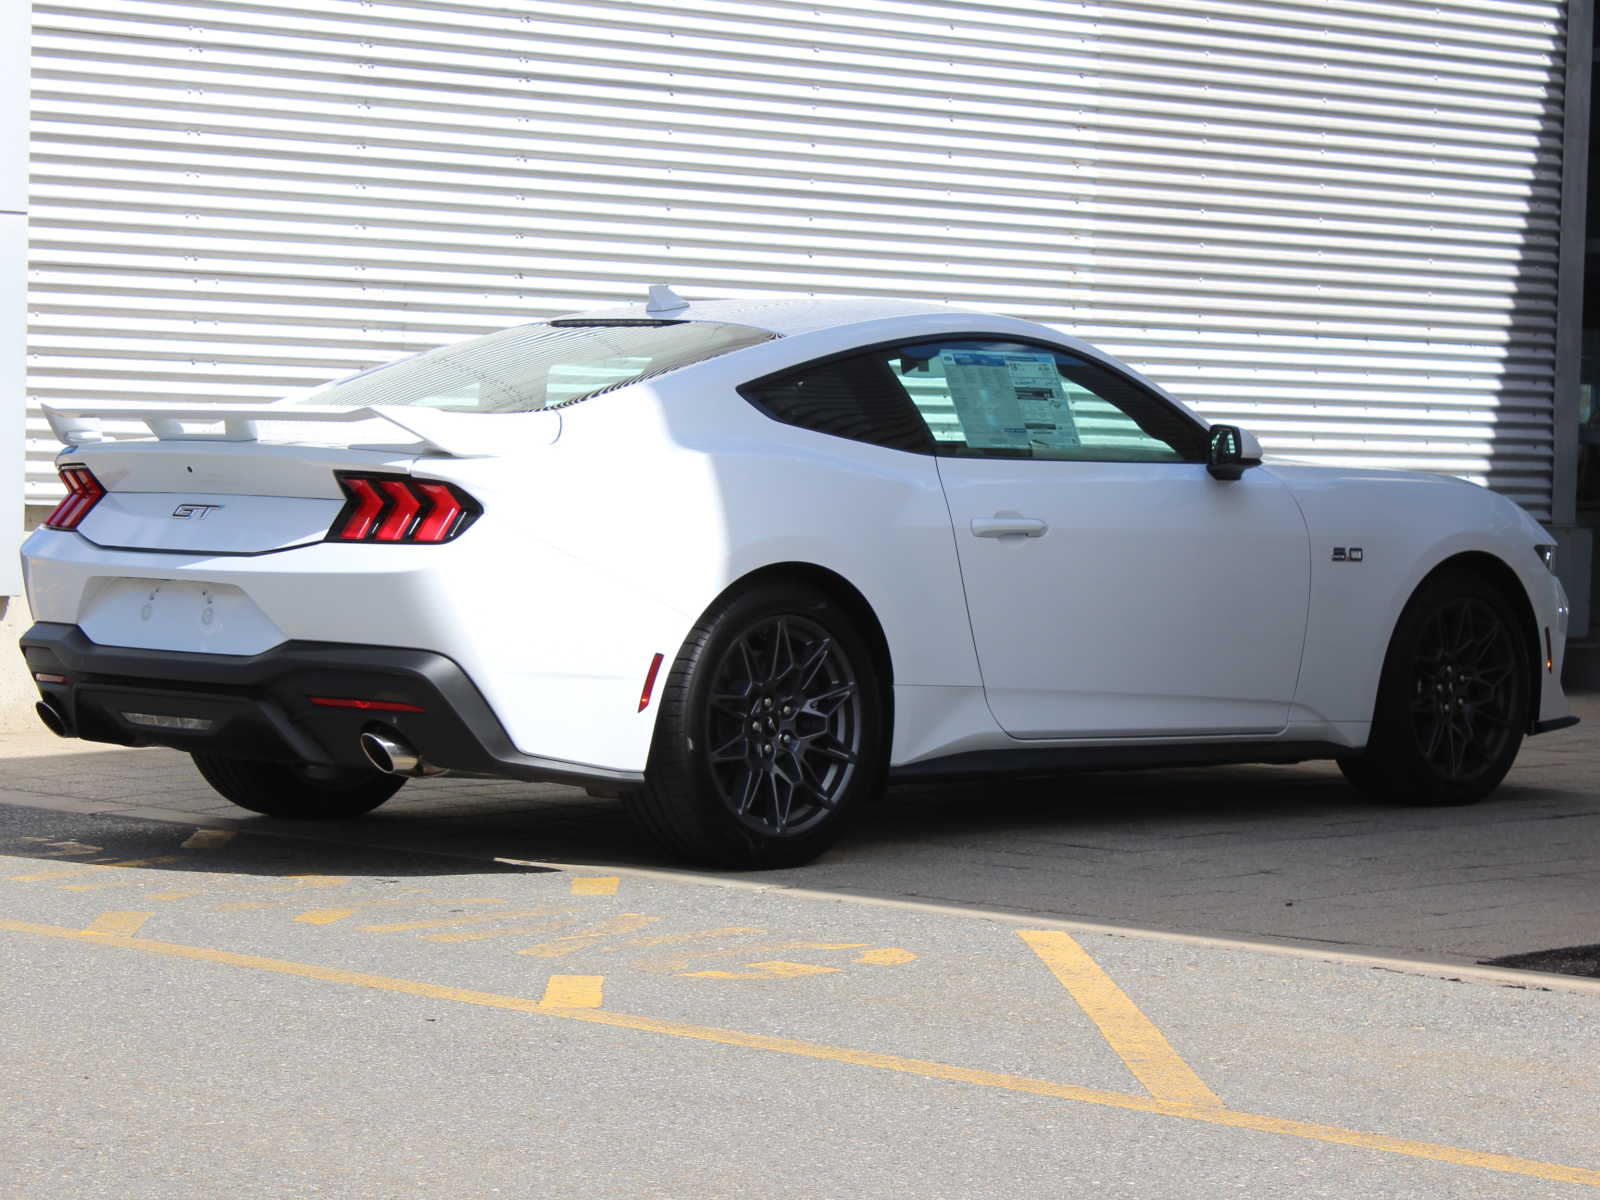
point(855, 398)
point(998, 399)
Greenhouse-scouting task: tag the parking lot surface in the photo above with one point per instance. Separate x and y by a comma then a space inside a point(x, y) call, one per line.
point(1271, 854)
point(419, 1004)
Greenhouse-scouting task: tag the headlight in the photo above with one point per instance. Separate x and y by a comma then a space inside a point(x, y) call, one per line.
point(1547, 555)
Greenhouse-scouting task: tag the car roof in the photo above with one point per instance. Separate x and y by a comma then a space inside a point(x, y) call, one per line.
point(781, 316)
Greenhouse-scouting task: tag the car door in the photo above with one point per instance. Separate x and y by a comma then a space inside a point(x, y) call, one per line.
point(1115, 588)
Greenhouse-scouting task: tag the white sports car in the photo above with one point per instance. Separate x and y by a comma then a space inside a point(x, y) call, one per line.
point(739, 562)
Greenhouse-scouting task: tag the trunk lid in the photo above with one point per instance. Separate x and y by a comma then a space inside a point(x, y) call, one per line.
point(224, 479)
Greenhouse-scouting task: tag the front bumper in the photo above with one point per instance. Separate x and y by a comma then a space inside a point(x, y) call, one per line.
point(259, 707)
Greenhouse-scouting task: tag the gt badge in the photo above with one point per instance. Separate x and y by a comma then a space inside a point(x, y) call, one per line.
point(1347, 554)
point(194, 512)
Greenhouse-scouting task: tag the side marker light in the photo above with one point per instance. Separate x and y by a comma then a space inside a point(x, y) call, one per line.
point(46, 677)
point(649, 683)
point(1549, 653)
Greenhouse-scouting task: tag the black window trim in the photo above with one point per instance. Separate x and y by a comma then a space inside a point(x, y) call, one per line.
point(746, 388)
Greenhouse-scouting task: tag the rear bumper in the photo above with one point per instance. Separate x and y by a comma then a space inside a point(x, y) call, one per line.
point(258, 706)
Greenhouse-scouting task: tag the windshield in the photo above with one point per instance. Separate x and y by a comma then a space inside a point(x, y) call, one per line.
point(544, 365)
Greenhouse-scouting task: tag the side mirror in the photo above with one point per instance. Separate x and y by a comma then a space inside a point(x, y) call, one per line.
point(1230, 451)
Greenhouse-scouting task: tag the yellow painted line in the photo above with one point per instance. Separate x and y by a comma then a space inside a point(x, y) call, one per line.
point(574, 991)
point(1130, 1033)
point(776, 969)
point(123, 924)
point(327, 916)
point(208, 839)
point(98, 887)
point(595, 885)
point(475, 918)
point(573, 942)
point(886, 956)
point(90, 868)
point(694, 935)
point(303, 882)
point(1209, 1114)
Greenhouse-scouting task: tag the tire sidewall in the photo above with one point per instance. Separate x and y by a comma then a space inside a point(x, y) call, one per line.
point(1394, 757)
point(680, 771)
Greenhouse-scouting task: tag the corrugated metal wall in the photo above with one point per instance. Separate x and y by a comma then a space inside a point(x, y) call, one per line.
point(1334, 222)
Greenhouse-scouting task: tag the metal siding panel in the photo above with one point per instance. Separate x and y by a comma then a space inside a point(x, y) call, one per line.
point(1335, 223)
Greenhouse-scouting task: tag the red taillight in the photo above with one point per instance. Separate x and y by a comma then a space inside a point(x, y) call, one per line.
point(364, 705)
point(361, 513)
point(403, 509)
point(83, 493)
point(400, 509)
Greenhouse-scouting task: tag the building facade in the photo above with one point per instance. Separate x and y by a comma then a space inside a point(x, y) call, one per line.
point(1355, 227)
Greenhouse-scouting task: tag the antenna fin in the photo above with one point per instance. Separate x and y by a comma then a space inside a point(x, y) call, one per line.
point(664, 299)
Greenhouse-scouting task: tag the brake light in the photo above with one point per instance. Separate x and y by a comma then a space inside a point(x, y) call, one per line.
point(83, 493)
point(400, 509)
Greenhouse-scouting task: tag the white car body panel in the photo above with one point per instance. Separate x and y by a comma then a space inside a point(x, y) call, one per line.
point(1163, 607)
point(1078, 631)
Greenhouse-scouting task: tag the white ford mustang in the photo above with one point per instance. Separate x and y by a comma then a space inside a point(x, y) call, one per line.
point(741, 561)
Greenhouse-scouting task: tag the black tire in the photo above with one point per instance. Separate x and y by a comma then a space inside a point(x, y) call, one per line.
point(770, 735)
point(296, 793)
point(1454, 700)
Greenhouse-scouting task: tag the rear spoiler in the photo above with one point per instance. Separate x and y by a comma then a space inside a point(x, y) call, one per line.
point(460, 435)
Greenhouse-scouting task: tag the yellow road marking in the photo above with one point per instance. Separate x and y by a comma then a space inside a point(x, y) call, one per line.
point(302, 882)
point(208, 839)
point(98, 887)
point(123, 924)
point(777, 969)
point(595, 885)
point(1209, 1114)
point(327, 916)
point(1131, 1034)
point(574, 991)
point(886, 956)
point(67, 849)
point(573, 942)
point(681, 963)
point(90, 868)
point(475, 918)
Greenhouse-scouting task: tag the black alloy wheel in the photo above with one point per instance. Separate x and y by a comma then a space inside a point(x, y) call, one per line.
point(770, 734)
point(785, 726)
point(1465, 689)
point(1454, 701)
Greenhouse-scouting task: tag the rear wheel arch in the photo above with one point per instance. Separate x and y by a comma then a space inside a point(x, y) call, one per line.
point(792, 655)
point(843, 593)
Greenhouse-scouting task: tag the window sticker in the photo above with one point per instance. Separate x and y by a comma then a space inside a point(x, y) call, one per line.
point(1009, 400)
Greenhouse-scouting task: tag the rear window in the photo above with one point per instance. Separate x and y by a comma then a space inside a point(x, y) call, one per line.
point(532, 367)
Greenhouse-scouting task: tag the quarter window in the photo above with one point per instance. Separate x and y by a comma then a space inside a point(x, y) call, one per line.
point(997, 399)
point(855, 398)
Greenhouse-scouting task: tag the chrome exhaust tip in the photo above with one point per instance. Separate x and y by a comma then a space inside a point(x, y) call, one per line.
point(52, 718)
point(393, 755)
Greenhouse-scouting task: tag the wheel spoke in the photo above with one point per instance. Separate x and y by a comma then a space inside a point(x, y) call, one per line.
point(749, 784)
point(782, 652)
point(732, 750)
point(806, 669)
point(825, 704)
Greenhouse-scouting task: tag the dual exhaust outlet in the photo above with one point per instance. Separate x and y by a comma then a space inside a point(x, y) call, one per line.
point(385, 750)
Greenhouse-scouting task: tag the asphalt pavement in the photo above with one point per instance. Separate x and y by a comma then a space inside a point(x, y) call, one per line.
point(491, 989)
